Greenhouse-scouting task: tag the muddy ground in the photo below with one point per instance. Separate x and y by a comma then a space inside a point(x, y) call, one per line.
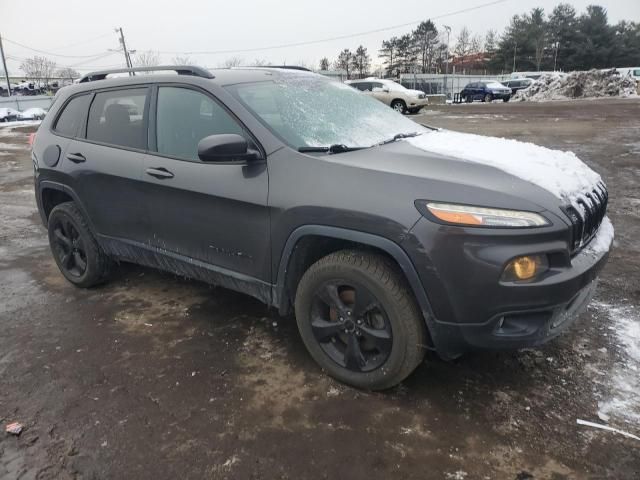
point(156, 377)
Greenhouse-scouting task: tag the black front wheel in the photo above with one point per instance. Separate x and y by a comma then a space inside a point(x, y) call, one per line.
point(74, 248)
point(359, 320)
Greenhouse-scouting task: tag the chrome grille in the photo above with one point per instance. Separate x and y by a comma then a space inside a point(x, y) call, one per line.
point(593, 205)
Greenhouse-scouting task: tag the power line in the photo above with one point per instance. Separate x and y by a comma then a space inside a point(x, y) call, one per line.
point(330, 39)
point(48, 53)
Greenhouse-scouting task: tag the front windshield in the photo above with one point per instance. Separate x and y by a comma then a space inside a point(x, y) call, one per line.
point(307, 110)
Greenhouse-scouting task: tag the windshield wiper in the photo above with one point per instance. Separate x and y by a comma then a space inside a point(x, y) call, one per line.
point(335, 148)
point(399, 136)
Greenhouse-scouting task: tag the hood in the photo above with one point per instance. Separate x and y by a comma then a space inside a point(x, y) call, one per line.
point(413, 173)
point(560, 173)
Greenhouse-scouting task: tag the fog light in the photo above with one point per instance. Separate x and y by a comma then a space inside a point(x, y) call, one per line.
point(525, 267)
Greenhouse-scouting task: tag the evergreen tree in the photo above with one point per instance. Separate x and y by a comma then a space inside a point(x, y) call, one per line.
point(324, 63)
point(344, 61)
point(425, 40)
point(596, 40)
point(361, 62)
point(389, 54)
point(562, 34)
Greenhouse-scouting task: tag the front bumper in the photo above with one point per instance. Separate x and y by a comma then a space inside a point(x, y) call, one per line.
point(461, 268)
point(417, 102)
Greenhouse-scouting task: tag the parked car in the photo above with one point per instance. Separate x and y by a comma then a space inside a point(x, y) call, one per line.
point(485, 91)
point(401, 99)
point(519, 84)
point(8, 114)
point(35, 113)
point(315, 199)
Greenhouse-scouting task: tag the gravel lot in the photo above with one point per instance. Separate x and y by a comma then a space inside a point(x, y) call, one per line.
point(153, 376)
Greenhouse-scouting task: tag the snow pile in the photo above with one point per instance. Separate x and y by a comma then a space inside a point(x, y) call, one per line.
point(561, 173)
point(589, 84)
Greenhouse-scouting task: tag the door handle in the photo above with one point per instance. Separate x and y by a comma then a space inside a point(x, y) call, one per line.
point(159, 172)
point(76, 157)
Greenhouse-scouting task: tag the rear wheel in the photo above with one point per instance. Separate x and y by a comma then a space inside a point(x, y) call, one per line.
point(488, 98)
point(399, 106)
point(75, 249)
point(359, 320)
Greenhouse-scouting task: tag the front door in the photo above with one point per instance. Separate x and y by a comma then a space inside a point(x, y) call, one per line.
point(214, 213)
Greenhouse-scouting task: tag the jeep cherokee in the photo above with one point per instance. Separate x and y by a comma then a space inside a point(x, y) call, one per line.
point(383, 236)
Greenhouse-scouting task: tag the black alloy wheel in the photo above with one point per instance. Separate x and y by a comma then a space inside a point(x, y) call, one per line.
point(351, 326)
point(69, 248)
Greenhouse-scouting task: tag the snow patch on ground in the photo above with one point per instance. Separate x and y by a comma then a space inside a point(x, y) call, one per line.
point(589, 84)
point(623, 400)
point(561, 173)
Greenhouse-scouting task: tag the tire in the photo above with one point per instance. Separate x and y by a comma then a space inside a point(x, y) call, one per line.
point(75, 250)
point(506, 99)
point(488, 98)
point(386, 342)
point(399, 106)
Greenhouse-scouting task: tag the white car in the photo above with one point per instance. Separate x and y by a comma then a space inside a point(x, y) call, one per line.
point(8, 114)
point(399, 98)
point(35, 113)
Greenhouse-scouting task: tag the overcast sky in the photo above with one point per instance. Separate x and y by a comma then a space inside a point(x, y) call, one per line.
point(81, 28)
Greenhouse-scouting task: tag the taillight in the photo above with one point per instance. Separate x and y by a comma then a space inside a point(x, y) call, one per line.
point(32, 138)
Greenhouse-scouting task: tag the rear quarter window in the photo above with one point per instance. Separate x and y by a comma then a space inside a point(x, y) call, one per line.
point(72, 116)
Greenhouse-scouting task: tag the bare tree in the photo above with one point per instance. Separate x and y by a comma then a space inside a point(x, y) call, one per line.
point(182, 60)
point(146, 59)
point(261, 62)
point(324, 63)
point(68, 73)
point(39, 70)
point(463, 45)
point(232, 62)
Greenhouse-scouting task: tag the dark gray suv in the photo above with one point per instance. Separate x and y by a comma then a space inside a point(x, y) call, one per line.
point(316, 199)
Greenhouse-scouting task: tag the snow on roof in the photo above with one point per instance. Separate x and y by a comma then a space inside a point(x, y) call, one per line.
point(561, 173)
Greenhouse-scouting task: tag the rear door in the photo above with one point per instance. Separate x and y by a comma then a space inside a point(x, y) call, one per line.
point(378, 89)
point(212, 212)
point(105, 162)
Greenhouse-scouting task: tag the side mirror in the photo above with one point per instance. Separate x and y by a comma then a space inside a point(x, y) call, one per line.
point(227, 147)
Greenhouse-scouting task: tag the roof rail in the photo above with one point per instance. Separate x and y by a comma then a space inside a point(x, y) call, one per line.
point(289, 67)
point(179, 69)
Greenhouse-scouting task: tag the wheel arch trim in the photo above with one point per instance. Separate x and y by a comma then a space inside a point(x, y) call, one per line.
point(382, 243)
point(50, 184)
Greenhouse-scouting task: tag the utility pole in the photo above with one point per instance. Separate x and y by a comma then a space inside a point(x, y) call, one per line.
point(446, 68)
point(127, 57)
point(4, 65)
point(515, 50)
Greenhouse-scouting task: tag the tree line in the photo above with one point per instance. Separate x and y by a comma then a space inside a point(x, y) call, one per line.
point(533, 41)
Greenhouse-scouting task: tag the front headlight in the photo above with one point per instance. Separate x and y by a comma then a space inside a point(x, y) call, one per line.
point(469, 215)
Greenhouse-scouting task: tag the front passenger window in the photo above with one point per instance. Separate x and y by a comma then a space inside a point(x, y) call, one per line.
point(184, 117)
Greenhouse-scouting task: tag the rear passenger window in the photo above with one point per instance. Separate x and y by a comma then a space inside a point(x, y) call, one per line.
point(118, 118)
point(72, 116)
point(184, 117)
